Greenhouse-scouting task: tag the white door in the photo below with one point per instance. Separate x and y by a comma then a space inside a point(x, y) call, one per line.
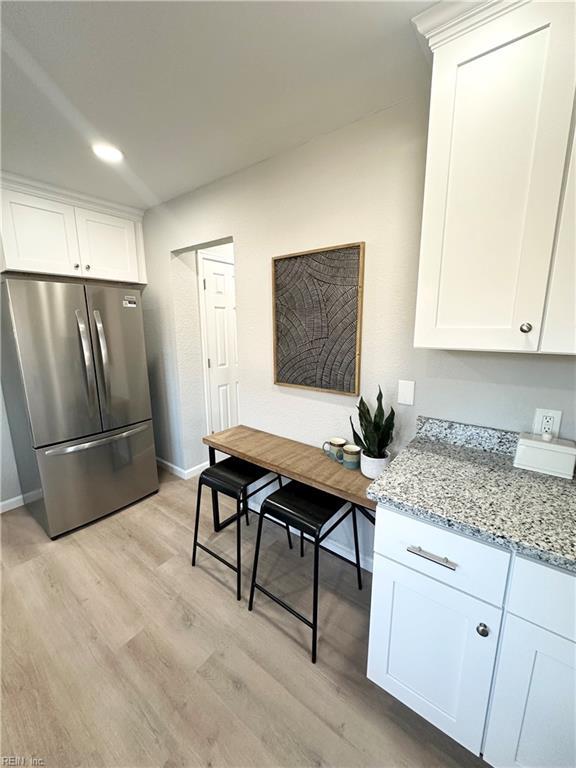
point(501, 103)
point(533, 717)
point(107, 246)
point(222, 350)
point(559, 335)
point(39, 235)
point(425, 649)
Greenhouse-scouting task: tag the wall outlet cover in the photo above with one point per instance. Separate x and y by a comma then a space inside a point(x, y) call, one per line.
point(547, 422)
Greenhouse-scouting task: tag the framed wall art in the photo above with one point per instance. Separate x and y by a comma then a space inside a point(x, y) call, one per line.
point(317, 302)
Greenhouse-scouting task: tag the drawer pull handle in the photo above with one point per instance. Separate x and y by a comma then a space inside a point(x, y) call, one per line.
point(443, 561)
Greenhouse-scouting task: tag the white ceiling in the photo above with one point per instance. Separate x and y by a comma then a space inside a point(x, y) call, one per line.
point(191, 91)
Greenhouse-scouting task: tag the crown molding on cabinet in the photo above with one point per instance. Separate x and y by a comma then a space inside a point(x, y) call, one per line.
point(448, 20)
point(42, 189)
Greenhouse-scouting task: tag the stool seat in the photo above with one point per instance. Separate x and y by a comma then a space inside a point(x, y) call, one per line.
point(302, 507)
point(232, 475)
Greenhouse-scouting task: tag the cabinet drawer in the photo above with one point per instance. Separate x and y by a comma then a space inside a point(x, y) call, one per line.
point(451, 558)
point(544, 596)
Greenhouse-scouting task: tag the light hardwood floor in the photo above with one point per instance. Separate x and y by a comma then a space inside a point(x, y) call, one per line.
point(117, 653)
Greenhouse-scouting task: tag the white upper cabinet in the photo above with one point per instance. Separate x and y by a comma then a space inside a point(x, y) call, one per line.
point(107, 246)
point(501, 104)
point(39, 235)
point(559, 334)
point(53, 235)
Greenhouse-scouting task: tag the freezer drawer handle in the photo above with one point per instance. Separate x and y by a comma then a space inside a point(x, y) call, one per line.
point(88, 364)
point(432, 557)
point(96, 443)
point(103, 353)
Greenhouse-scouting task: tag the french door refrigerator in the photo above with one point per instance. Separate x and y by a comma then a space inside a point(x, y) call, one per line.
point(75, 386)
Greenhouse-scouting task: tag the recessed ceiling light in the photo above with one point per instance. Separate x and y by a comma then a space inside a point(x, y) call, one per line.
point(107, 153)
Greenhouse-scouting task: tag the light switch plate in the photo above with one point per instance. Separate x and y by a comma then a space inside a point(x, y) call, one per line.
point(406, 392)
point(547, 421)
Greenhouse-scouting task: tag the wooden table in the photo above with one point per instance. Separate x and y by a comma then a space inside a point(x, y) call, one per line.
point(295, 460)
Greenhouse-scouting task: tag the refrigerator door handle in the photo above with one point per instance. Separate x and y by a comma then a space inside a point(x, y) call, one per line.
point(95, 443)
point(104, 355)
point(88, 362)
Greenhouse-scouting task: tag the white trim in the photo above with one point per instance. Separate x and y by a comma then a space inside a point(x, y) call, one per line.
point(20, 501)
point(448, 20)
point(366, 561)
point(42, 189)
point(204, 338)
point(13, 503)
point(184, 474)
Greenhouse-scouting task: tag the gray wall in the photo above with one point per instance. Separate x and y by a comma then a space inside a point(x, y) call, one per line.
point(363, 182)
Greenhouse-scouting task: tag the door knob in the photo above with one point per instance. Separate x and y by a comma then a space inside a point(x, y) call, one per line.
point(482, 630)
point(76, 266)
point(87, 268)
point(525, 327)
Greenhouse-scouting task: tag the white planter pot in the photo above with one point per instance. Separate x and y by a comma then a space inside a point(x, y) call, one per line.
point(373, 468)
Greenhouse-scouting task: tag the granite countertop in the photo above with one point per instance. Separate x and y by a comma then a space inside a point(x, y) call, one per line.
point(462, 477)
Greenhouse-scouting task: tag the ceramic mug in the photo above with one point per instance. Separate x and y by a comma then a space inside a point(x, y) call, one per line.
point(351, 456)
point(334, 450)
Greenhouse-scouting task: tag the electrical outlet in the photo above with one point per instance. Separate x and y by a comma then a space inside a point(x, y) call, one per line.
point(547, 422)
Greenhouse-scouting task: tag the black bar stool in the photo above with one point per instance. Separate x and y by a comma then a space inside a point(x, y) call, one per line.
point(230, 477)
point(308, 510)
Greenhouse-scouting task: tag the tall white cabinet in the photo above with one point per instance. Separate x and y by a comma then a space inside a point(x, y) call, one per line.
point(52, 232)
point(501, 104)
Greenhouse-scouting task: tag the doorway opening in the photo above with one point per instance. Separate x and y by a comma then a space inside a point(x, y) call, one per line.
point(217, 289)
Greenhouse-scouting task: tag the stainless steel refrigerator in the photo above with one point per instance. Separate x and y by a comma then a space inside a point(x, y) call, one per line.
point(75, 385)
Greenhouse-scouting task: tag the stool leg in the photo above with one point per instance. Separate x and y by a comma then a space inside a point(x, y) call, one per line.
point(245, 502)
point(215, 511)
point(287, 526)
point(301, 544)
point(255, 566)
point(197, 521)
point(315, 599)
point(356, 547)
point(239, 547)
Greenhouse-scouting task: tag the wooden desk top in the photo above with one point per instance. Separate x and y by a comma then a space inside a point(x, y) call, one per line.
point(292, 459)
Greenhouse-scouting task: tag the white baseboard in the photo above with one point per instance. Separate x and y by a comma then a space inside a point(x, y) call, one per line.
point(13, 503)
point(366, 561)
point(184, 474)
point(19, 501)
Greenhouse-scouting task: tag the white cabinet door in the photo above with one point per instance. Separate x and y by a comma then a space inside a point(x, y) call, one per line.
point(559, 335)
point(533, 716)
point(425, 649)
point(500, 113)
point(39, 235)
point(107, 246)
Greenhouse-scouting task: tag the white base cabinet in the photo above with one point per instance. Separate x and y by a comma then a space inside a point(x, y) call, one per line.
point(54, 235)
point(426, 649)
point(479, 642)
point(533, 717)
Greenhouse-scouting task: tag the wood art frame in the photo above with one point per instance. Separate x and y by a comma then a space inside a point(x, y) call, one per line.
point(358, 284)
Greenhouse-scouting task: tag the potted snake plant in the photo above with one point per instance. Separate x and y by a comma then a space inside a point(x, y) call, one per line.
point(377, 432)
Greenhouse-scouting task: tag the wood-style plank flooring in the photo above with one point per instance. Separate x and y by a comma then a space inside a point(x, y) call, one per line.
point(117, 653)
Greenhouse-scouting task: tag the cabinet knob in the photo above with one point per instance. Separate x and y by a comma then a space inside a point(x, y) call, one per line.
point(482, 630)
point(87, 268)
point(76, 266)
point(525, 327)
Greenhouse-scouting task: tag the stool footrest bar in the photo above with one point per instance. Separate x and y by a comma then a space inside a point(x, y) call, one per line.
point(217, 556)
point(285, 605)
